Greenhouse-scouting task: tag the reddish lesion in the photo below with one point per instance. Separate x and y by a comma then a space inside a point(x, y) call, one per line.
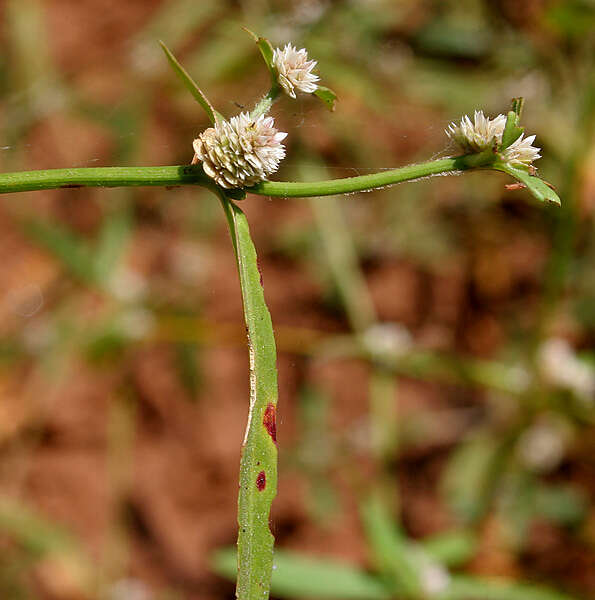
point(261, 481)
point(269, 420)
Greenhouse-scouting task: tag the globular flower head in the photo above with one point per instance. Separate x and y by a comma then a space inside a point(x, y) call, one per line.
point(240, 152)
point(521, 152)
point(481, 134)
point(295, 70)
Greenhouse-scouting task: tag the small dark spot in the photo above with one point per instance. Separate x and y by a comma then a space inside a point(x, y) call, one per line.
point(259, 271)
point(269, 420)
point(261, 481)
point(71, 186)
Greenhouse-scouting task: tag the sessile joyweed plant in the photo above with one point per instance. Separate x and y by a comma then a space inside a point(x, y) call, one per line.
point(236, 156)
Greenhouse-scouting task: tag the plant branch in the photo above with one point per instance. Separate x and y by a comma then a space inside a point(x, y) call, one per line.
point(25, 181)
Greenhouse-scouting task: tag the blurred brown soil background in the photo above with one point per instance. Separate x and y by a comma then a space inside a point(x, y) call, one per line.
point(123, 400)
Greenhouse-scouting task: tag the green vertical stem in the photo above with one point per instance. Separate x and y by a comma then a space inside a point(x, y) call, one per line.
point(383, 414)
point(344, 266)
point(343, 263)
point(566, 219)
point(258, 466)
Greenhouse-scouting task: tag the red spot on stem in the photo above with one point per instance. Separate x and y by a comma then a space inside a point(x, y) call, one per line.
point(269, 420)
point(261, 481)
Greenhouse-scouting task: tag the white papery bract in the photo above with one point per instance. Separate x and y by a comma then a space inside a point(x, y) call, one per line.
point(481, 134)
point(240, 152)
point(295, 70)
point(521, 152)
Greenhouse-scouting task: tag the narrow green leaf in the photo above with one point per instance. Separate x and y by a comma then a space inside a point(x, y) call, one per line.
point(266, 49)
point(327, 96)
point(471, 588)
point(190, 84)
point(512, 131)
point(113, 236)
point(38, 535)
point(517, 106)
point(70, 249)
point(258, 467)
point(451, 548)
point(296, 576)
point(539, 188)
point(393, 555)
point(188, 367)
point(565, 505)
point(471, 475)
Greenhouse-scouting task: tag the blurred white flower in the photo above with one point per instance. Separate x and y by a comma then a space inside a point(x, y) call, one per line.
point(561, 367)
point(136, 323)
point(542, 446)
point(295, 70)
point(522, 151)
point(434, 579)
point(127, 285)
point(129, 589)
point(478, 135)
point(240, 152)
point(387, 339)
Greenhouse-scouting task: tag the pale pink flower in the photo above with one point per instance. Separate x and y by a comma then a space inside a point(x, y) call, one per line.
point(240, 152)
point(295, 70)
point(483, 133)
point(522, 152)
point(478, 135)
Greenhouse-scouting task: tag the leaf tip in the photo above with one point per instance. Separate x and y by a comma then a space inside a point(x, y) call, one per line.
point(251, 34)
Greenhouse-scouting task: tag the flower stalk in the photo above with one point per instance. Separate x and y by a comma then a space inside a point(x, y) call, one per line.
point(178, 175)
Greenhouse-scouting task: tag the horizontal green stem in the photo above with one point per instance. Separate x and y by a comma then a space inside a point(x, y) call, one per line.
point(26, 181)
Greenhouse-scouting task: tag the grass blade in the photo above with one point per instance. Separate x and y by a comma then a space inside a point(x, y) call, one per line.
point(393, 556)
point(70, 249)
point(298, 576)
point(471, 588)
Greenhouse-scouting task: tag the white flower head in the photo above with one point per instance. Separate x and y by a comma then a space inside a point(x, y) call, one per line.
point(483, 133)
point(478, 135)
point(541, 447)
point(295, 70)
point(522, 151)
point(240, 152)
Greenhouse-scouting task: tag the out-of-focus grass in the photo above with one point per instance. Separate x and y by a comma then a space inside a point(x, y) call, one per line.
point(509, 434)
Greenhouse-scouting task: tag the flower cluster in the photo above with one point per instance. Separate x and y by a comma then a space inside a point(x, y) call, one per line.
point(483, 133)
point(245, 149)
point(295, 70)
point(240, 152)
point(478, 135)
